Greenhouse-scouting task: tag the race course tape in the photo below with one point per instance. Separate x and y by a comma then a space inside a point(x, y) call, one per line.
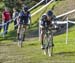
point(36, 5)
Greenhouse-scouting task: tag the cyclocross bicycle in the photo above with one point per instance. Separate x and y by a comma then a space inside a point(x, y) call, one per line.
point(48, 42)
point(21, 36)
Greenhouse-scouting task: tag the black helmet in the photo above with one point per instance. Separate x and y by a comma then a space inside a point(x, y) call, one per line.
point(50, 13)
point(25, 8)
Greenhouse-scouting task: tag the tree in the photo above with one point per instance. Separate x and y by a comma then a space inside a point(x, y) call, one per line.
point(9, 3)
point(18, 3)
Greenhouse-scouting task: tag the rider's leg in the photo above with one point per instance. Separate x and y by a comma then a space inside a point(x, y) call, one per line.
point(18, 31)
point(42, 36)
point(51, 39)
point(24, 26)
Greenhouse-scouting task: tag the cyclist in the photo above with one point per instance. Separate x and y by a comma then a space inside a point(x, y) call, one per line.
point(46, 21)
point(23, 19)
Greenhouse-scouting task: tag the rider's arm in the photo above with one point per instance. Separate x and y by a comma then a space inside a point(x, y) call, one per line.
point(42, 21)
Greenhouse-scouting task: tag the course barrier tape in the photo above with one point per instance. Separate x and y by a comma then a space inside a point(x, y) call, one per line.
point(64, 14)
point(60, 22)
point(42, 7)
point(72, 22)
point(36, 5)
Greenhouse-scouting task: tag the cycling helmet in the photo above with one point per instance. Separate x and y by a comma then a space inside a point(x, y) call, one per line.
point(50, 13)
point(25, 8)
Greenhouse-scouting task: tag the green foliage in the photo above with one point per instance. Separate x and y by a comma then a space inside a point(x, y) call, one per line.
point(1, 9)
point(29, 3)
point(9, 3)
point(18, 3)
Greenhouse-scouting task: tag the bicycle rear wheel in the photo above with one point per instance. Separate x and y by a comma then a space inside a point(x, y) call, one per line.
point(21, 37)
point(45, 43)
point(50, 45)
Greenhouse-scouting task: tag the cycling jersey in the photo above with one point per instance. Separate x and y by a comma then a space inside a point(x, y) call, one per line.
point(24, 17)
point(45, 22)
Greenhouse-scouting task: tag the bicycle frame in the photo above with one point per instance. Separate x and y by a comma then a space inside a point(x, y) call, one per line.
point(48, 42)
point(21, 36)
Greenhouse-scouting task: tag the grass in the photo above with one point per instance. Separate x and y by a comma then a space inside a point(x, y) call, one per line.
point(31, 51)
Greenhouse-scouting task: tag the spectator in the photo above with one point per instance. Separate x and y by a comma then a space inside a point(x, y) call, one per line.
point(15, 14)
point(6, 16)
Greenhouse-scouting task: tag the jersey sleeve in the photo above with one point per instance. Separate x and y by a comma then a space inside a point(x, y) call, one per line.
point(42, 23)
point(43, 19)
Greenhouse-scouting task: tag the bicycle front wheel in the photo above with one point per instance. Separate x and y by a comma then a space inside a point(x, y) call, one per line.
point(50, 45)
point(21, 36)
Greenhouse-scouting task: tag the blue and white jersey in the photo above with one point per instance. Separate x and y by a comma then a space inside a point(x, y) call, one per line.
point(44, 22)
point(24, 16)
